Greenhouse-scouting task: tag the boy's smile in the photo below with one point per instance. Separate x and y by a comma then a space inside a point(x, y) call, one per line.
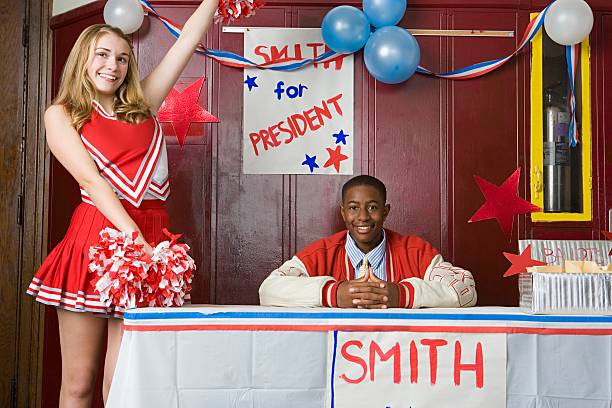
point(364, 212)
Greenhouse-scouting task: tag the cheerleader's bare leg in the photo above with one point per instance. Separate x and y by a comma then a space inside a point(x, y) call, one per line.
point(115, 331)
point(81, 340)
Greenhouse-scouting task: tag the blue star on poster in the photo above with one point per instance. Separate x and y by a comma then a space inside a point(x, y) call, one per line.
point(311, 162)
point(250, 81)
point(340, 137)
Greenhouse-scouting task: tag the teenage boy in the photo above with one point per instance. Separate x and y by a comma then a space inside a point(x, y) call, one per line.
point(368, 266)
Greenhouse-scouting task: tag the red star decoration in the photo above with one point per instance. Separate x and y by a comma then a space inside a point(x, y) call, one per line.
point(503, 202)
point(181, 109)
point(521, 262)
point(335, 157)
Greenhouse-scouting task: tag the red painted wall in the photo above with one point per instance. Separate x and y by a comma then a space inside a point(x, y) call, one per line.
point(425, 139)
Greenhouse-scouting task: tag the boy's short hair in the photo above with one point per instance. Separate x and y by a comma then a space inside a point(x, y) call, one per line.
point(365, 180)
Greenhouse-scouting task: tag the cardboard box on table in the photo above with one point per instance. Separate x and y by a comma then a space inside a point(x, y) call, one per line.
point(578, 287)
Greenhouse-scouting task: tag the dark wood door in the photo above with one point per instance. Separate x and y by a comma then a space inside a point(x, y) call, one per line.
point(11, 82)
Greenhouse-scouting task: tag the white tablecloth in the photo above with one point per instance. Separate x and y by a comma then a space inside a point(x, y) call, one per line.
point(258, 357)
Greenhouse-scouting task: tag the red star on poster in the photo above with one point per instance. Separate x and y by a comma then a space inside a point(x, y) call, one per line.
point(521, 262)
point(181, 109)
point(503, 202)
point(335, 157)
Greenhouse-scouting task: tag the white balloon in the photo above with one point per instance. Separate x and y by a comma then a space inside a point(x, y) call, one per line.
point(124, 14)
point(568, 22)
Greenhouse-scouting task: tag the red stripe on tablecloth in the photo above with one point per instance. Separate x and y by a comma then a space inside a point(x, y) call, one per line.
point(418, 329)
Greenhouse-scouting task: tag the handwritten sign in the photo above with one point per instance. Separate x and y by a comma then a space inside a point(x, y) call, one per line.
point(416, 370)
point(556, 252)
point(298, 122)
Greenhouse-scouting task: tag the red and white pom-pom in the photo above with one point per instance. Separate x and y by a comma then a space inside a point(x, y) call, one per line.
point(170, 276)
point(120, 266)
point(230, 10)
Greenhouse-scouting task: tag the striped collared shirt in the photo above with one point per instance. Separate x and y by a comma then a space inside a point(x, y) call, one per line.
point(376, 257)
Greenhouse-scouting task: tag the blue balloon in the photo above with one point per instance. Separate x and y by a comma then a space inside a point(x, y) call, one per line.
point(345, 29)
point(392, 55)
point(383, 13)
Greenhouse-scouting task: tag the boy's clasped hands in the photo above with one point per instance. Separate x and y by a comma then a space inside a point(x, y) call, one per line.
point(368, 292)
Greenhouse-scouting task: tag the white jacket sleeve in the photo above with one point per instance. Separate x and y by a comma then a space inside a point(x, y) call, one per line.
point(290, 285)
point(443, 285)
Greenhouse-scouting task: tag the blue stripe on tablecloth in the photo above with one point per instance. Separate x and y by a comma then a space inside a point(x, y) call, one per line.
point(366, 315)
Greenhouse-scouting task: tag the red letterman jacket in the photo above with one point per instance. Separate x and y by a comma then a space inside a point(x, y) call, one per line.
point(407, 257)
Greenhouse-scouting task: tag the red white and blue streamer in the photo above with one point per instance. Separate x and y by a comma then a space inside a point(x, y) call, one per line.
point(485, 67)
point(571, 55)
point(234, 60)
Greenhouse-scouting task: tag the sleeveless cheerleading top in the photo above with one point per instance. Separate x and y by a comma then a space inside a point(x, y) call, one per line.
point(131, 157)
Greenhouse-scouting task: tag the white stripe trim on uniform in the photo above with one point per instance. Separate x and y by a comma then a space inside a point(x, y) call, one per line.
point(100, 109)
point(114, 175)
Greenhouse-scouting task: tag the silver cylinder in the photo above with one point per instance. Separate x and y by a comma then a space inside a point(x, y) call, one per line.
point(557, 169)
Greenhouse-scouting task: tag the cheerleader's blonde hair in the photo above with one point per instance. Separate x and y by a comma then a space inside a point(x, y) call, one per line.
point(76, 91)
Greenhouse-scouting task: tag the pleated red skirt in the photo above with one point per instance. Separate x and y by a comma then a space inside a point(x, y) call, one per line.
point(63, 279)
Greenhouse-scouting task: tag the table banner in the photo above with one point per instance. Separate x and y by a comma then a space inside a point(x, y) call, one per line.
point(416, 370)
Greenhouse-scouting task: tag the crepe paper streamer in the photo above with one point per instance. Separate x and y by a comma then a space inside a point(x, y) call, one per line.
point(571, 55)
point(237, 61)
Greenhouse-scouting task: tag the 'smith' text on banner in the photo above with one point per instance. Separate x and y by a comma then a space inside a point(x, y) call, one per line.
point(416, 370)
point(296, 122)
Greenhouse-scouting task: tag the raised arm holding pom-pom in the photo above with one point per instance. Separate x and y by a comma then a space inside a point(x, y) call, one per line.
point(403, 271)
point(102, 129)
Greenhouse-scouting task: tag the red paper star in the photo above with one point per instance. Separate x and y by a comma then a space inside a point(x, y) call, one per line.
point(335, 157)
point(503, 202)
point(521, 262)
point(181, 109)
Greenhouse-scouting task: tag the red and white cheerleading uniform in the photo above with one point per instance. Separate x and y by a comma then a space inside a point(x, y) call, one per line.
point(312, 276)
point(132, 158)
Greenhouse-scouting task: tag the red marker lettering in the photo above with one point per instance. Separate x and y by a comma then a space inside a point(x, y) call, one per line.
point(478, 366)
point(414, 363)
point(433, 345)
point(353, 359)
point(393, 352)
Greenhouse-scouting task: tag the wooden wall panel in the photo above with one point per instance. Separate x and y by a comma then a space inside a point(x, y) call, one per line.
point(249, 209)
point(189, 170)
point(483, 140)
point(408, 136)
point(603, 113)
